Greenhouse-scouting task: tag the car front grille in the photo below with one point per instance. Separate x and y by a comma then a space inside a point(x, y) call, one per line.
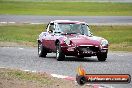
point(88, 49)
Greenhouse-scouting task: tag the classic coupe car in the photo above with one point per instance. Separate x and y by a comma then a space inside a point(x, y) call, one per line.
point(71, 38)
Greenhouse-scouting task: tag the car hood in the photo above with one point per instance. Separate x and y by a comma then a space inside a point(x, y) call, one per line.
point(85, 40)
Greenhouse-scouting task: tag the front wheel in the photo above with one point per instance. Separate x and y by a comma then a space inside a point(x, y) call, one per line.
point(102, 56)
point(59, 54)
point(41, 50)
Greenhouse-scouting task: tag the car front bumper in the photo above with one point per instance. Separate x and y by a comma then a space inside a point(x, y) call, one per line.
point(83, 50)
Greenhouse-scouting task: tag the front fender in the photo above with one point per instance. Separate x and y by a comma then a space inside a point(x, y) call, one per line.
point(42, 36)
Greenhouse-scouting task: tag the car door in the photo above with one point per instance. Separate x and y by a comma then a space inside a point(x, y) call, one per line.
point(50, 39)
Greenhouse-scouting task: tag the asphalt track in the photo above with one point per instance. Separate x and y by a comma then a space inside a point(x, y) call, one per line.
point(92, 20)
point(27, 58)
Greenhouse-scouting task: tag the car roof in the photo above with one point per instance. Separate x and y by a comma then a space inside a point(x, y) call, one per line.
point(67, 21)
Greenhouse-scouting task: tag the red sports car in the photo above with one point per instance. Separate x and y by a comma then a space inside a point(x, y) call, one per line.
point(71, 38)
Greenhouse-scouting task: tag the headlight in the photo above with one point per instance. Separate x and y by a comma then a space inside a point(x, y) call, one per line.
point(67, 41)
point(104, 43)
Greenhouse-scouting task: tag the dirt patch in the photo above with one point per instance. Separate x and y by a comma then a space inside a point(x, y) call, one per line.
point(18, 79)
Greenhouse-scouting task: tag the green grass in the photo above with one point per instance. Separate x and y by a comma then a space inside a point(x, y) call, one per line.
point(20, 33)
point(65, 8)
point(21, 75)
point(52, 0)
point(119, 37)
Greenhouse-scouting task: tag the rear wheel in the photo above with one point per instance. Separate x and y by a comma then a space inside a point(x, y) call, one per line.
point(41, 50)
point(59, 54)
point(102, 56)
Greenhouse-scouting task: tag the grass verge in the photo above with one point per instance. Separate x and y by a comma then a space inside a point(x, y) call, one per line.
point(65, 8)
point(22, 34)
point(27, 76)
point(119, 37)
point(12, 78)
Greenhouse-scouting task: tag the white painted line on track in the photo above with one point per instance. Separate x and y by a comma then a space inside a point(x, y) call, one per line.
point(34, 71)
point(11, 22)
point(58, 76)
point(21, 48)
point(36, 23)
point(3, 22)
point(26, 70)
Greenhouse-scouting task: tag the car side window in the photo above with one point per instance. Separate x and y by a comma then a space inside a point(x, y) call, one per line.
point(51, 28)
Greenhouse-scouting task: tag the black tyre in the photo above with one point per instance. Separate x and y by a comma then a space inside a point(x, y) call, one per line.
point(59, 54)
point(41, 50)
point(102, 56)
point(80, 56)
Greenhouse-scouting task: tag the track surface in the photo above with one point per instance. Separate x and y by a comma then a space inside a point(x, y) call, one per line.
point(97, 20)
point(27, 58)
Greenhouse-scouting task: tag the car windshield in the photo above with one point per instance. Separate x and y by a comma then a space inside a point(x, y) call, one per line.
point(72, 28)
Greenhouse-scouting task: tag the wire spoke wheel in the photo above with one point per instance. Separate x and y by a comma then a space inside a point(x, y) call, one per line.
point(59, 54)
point(41, 50)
